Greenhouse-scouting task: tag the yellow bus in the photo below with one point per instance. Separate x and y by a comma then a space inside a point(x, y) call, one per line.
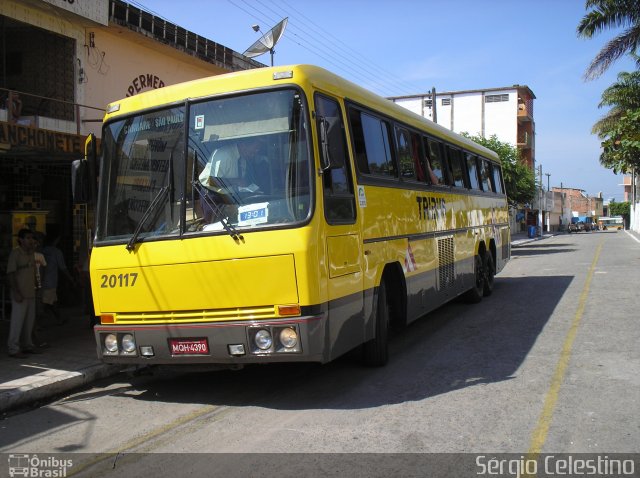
point(283, 214)
point(613, 223)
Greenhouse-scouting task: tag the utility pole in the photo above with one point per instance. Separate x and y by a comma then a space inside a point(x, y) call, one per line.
point(433, 104)
point(561, 204)
point(540, 198)
point(547, 195)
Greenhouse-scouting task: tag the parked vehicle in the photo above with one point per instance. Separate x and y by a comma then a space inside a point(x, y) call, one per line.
point(581, 223)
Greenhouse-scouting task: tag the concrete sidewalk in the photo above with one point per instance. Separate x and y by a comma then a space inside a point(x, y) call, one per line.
point(71, 360)
point(522, 238)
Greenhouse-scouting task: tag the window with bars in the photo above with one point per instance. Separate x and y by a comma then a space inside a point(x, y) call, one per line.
point(41, 66)
point(496, 98)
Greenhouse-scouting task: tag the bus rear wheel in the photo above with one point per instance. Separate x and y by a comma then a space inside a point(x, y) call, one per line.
point(489, 273)
point(376, 350)
point(474, 295)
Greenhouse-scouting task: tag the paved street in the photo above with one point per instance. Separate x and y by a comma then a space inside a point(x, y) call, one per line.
point(548, 364)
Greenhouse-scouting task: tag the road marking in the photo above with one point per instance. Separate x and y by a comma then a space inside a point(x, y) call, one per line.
point(632, 236)
point(539, 435)
point(130, 446)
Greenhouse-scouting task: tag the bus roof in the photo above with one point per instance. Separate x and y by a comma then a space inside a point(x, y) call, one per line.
point(304, 75)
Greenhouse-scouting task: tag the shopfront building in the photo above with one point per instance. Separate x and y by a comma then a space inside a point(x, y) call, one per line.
point(61, 63)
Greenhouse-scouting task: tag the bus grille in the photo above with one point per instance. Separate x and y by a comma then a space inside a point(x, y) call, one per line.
point(446, 273)
point(191, 316)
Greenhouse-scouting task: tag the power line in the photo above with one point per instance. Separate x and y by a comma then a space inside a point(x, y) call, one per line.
point(331, 49)
point(337, 50)
point(311, 46)
point(342, 57)
point(356, 56)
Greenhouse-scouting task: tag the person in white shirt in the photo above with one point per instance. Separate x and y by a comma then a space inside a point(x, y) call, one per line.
point(240, 164)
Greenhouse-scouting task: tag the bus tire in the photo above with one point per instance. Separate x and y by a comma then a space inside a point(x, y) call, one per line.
point(489, 273)
point(376, 351)
point(474, 295)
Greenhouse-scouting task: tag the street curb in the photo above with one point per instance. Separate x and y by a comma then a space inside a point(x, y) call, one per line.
point(523, 242)
point(54, 384)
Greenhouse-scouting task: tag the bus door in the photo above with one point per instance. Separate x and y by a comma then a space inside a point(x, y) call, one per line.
point(343, 238)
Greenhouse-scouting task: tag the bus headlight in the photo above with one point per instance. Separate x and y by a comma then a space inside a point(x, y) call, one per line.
point(111, 343)
point(128, 343)
point(288, 338)
point(263, 339)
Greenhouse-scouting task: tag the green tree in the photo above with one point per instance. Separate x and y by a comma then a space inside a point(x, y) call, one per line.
point(622, 96)
point(621, 145)
point(606, 15)
point(620, 209)
point(519, 179)
point(619, 128)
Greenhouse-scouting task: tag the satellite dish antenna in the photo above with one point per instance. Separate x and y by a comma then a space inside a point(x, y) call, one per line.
point(267, 42)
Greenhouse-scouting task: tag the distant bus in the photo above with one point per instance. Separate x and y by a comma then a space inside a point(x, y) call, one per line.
point(611, 223)
point(360, 215)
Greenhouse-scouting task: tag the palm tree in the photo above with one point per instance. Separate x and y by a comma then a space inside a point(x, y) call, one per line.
point(622, 96)
point(619, 129)
point(610, 14)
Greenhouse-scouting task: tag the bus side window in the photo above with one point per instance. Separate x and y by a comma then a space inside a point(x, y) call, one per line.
point(357, 139)
point(497, 178)
point(484, 175)
point(418, 157)
point(371, 143)
point(456, 168)
point(339, 200)
point(434, 164)
point(472, 168)
point(406, 160)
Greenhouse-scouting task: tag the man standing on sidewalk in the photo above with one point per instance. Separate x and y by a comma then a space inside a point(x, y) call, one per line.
point(21, 271)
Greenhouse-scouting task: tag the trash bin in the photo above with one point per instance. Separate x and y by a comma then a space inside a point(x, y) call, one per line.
point(532, 231)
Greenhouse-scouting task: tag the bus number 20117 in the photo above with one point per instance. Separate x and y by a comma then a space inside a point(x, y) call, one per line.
point(120, 280)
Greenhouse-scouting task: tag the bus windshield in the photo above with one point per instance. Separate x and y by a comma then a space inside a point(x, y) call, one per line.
point(245, 164)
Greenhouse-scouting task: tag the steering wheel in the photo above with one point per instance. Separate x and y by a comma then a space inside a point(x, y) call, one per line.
point(260, 198)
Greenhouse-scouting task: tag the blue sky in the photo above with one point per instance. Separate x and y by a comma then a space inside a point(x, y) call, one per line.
point(405, 47)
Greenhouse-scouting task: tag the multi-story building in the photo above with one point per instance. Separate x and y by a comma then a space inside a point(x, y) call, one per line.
point(505, 112)
point(635, 204)
point(627, 184)
point(61, 63)
point(631, 187)
point(574, 202)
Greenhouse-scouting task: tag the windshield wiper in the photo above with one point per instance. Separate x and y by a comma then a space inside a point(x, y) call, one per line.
point(152, 207)
point(232, 231)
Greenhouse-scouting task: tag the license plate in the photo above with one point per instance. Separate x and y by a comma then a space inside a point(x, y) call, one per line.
point(198, 346)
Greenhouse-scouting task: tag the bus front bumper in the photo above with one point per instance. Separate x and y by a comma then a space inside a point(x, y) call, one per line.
point(300, 339)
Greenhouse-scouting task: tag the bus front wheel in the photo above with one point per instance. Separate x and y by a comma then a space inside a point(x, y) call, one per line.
point(376, 350)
